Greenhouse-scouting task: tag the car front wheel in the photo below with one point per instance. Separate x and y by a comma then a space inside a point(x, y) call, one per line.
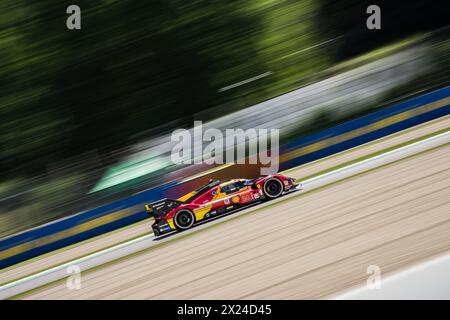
point(273, 188)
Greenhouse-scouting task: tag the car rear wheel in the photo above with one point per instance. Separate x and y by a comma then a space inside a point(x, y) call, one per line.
point(273, 188)
point(184, 219)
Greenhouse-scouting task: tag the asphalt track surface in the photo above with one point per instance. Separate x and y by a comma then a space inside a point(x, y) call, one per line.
point(308, 245)
point(425, 281)
point(113, 238)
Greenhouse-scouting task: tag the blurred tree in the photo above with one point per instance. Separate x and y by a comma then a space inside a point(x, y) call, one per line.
point(31, 132)
point(132, 66)
point(346, 19)
point(135, 65)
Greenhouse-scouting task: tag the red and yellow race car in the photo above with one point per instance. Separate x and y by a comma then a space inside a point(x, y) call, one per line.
point(216, 198)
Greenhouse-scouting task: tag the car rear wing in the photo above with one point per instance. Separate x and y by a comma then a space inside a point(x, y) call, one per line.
point(162, 207)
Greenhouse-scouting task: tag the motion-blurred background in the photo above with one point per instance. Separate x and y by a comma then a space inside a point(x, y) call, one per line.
point(86, 115)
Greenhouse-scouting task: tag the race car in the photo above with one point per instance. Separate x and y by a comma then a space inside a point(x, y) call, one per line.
point(216, 198)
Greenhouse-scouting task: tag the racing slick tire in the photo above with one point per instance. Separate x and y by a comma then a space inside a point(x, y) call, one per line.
point(273, 188)
point(184, 219)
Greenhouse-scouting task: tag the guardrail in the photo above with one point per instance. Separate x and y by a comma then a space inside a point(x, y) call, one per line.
point(121, 213)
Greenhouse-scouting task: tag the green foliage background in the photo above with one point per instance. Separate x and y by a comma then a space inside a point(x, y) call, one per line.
point(139, 65)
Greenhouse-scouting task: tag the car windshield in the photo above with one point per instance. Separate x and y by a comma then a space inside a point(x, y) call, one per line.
point(235, 186)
